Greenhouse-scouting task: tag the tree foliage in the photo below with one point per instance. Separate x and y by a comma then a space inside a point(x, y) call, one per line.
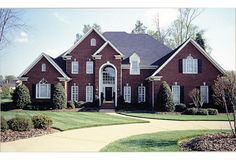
point(196, 98)
point(59, 97)
point(21, 96)
point(164, 98)
point(139, 28)
point(200, 40)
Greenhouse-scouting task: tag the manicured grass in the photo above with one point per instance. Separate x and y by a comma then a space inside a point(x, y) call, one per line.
point(155, 142)
point(5, 99)
point(74, 120)
point(179, 117)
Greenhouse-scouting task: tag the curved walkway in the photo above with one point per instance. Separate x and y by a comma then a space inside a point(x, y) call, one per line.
point(94, 139)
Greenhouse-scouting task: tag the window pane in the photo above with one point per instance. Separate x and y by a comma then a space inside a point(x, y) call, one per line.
point(108, 75)
point(89, 67)
point(75, 67)
point(176, 94)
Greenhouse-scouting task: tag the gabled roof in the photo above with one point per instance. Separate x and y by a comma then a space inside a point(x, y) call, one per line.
point(50, 60)
point(81, 39)
point(177, 50)
point(104, 45)
point(149, 49)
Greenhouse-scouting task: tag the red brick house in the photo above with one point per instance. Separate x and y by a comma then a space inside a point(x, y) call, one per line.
point(116, 64)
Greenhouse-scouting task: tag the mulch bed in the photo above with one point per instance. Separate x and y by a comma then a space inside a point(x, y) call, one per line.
point(10, 135)
point(211, 142)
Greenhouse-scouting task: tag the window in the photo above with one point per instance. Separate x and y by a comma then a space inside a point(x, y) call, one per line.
point(141, 94)
point(108, 75)
point(93, 42)
point(74, 93)
point(43, 67)
point(127, 93)
point(89, 67)
point(43, 90)
point(176, 93)
point(190, 65)
point(89, 93)
point(134, 61)
point(204, 93)
point(75, 67)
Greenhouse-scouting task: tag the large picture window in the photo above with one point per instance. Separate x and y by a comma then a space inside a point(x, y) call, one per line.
point(74, 93)
point(176, 94)
point(75, 67)
point(127, 94)
point(190, 65)
point(89, 93)
point(43, 90)
point(141, 94)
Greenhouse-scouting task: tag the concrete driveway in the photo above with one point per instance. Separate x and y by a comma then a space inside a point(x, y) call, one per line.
point(95, 138)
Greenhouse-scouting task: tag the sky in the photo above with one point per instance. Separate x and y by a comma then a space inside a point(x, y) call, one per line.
point(53, 31)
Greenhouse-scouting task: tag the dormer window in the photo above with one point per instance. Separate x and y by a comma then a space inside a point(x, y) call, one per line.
point(43, 67)
point(190, 65)
point(134, 61)
point(93, 42)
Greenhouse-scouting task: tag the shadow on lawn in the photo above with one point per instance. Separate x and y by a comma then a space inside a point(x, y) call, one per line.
point(144, 143)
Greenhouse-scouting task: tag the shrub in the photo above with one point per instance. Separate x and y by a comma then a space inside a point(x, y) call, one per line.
point(4, 125)
point(20, 123)
point(6, 91)
point(42, 121)
point(180, 107)
point(59, 97)
point(165, 98)
point(212, 111)
point(202, 112)
point(190, 111)
point(39, 106)
point(21, 96)
point(120, 102)
point(96, 102)
point(70, 105)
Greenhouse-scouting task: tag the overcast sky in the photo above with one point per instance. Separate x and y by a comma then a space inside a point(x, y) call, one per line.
point(53, 31)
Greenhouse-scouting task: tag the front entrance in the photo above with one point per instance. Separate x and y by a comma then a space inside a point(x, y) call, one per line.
point(108, 94)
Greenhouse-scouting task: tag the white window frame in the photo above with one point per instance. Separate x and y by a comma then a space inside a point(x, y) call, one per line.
point(204, 99)
point(93, 42)
point(89, 67)
point(176, 93)
point(89, 93)
point(75, 93)
point(39, 89)
point(141, 94)
point(127, 94)
point(43, 67)
point(72, 67)
point(134, 61)
point(190, 65)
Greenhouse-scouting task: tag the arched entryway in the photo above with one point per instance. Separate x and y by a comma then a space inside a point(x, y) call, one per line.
point(108, 83)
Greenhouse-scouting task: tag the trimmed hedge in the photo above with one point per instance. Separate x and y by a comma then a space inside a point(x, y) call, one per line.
point(20, 123)
point(190, 111)
point(212, 111)
point(180, 107)
point(42, 121)
point(21, 96)
point(4, 125)
point(70, 105)
point(59, 97)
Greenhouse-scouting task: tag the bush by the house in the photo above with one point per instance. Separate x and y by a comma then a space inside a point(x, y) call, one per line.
point(190, 111)
point(212, 111)
point(165, 98)
point(96, 102)
point(38, 106)
point(4, 125)
point(20, 123)
point(42, 121)
point(6, 91)
point(71, 105)
point(120, 103)
point(180, 107)
point(21, 96)
point(59, 97)
point(202, 111)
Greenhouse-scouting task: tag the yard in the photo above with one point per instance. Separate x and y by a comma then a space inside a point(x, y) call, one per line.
point(178, 117)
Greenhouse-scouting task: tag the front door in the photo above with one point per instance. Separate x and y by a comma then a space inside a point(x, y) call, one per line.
point(108, 94)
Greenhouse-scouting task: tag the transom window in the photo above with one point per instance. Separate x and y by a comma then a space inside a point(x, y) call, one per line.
point(190, 65)
point(75, 67)
point(89, 67)
point(127, 94)
point(89, 93)
point(93, 42)
point(141, 94)
point(176, 93)
point(43, 67)
point(108, 75)
point(204, 94)
point(43, 90)
point(74, 93)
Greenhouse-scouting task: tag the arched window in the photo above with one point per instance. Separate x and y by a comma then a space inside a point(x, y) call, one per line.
point(93, 42)
point(190, 65)
point(108, 73)
point(43, 67)
point(134, 61)
point(43, 90)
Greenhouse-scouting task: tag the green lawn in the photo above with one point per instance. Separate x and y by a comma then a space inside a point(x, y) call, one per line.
point(155, 142)
point(179, 117)
point(74, 120)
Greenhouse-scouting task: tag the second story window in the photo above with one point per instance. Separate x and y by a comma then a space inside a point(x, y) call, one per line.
point(43, 67)
point(89, 67)
point(74, 67)
point(93, 42)
point(190, 65)
point(134, 61)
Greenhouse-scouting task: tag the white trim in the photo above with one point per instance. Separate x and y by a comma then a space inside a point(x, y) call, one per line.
point(154, 78)
point(177, 88)
point(61, 79)
point(81, 39)
point(49, 60)
point(89, 63)
point(72, 67)
point(89, 89)
point(43, 67)
point(201, 51)
point(104, 45)
point(189, 60)
point(23, 78)
point(97, 57)
point(141, 92)
point(38, 91)
point(93, 42)
point(134, 58)
point(77, 93)
point(127, 66)
point(207, 93)
point(127, 89)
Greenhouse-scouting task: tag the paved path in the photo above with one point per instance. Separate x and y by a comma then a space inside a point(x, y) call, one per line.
point(95, 138)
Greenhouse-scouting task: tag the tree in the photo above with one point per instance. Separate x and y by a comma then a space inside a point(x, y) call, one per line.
point(164, 98)
point(9, 22)
point(139, 28)
point(200, 40)
point(21, 96)
point(225, 94)
point(59, 97)
point(196, 98)
point(1, 78)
